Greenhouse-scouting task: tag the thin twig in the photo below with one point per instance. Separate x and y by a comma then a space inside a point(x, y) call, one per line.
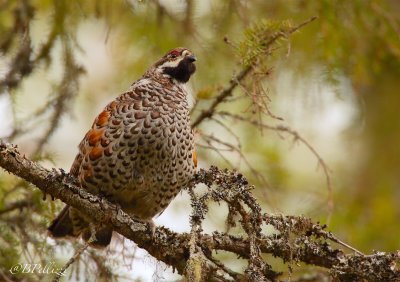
point(236, 149)
point(76, 255)
point(296, 137)
point(228, 90)
point(16, 205)
point(67, 90)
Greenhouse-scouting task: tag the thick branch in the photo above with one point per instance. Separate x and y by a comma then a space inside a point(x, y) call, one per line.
point(310, 245)
point(164, 246)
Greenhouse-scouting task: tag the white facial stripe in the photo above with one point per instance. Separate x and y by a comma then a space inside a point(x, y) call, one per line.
point(172, 64)
point(185, 53)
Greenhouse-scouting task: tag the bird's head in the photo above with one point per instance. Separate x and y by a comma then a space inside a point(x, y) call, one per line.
point(178, 63)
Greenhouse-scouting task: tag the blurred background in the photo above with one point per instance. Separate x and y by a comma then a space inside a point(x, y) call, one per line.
point(335, 82)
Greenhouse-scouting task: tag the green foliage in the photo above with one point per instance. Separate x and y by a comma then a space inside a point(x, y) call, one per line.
point(9, 246)
point(258, 37)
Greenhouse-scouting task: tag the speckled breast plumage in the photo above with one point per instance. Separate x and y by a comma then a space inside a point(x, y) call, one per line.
point(139, 152)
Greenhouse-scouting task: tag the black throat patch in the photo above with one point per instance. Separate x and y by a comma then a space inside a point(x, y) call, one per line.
point(182, 71)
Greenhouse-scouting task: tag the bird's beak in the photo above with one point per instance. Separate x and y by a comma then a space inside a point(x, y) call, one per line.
point(192, 58)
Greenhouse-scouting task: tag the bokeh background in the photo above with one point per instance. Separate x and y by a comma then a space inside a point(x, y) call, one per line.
point(335, 82)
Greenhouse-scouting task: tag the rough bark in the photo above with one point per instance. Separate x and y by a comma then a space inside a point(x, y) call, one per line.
point(309, 243)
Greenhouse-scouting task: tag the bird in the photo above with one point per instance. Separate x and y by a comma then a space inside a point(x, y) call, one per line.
point(139, 152)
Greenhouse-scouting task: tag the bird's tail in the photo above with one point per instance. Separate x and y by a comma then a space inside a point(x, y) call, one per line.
point(69, 224)
point(62, 225)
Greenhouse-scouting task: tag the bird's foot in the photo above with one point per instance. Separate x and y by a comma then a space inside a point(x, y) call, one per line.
point(152, 227)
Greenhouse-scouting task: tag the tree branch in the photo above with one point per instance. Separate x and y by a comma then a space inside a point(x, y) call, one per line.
point(310, 245)
point(60, 185)
point(15, 206)
point(235, 81)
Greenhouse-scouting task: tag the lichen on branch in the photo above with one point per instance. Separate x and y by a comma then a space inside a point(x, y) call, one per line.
point(297, 239)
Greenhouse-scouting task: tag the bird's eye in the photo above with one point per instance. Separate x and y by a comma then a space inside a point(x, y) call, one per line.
point(173, 54)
